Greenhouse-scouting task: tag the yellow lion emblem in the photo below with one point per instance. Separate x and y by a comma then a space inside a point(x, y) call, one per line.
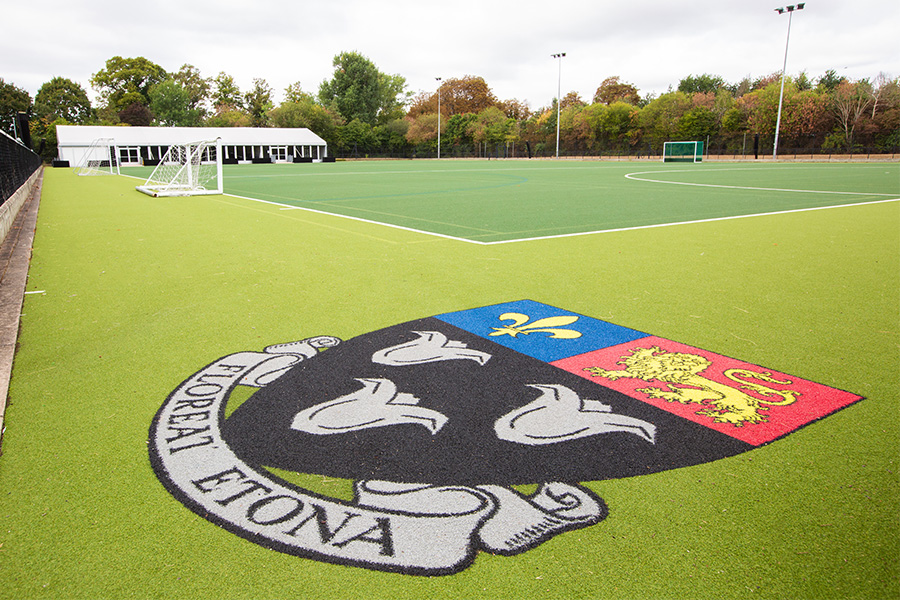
point(681, 374)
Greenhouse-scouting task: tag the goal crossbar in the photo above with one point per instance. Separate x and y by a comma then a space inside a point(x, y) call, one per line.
point(191, 169)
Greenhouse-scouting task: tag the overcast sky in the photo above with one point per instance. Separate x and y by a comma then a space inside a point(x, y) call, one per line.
point(651, 44)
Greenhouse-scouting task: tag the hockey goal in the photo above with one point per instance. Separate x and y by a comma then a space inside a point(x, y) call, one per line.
point(191, 169)
point(100, 159)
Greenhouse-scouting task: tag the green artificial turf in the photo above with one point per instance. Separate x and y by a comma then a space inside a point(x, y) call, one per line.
point(491, 201)
point(133, 294)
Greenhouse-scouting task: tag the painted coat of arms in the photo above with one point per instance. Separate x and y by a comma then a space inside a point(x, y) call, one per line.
point(438, 421)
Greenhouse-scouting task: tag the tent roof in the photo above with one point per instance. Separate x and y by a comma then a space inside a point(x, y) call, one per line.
point(83, 135)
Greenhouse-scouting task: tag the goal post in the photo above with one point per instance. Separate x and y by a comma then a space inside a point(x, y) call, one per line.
point(99, 159)
point(683, 152)
point(191, 169)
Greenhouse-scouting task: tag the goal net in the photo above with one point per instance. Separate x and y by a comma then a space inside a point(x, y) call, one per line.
point(191, 169)
point(682, 151)
point(100, 159)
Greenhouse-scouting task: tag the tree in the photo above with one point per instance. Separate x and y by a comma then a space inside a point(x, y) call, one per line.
point(172, 106)
point(466, 95)
point(136, 114)
point(572, 99)
point(198, 88)
point(295, 93)
point(700, 84)
point(515, 109)
point(457, 129)
point(13, 99)
point(358, 90)
point(659, 119)
point(259, 102)
point(829, 81)
point(393, 98)
point(491, 126)
point(614, 90)
point(392, 135)
point(850, 101)
point(126, 81)
point(424, 128)
point(356, 136)
point(697, 123)
point(304, 112)
point(228, 116)
point(226, 93)
point(62, 98)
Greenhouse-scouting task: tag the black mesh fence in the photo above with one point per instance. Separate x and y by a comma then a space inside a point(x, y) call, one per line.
point(746, 146)
point(17, 164)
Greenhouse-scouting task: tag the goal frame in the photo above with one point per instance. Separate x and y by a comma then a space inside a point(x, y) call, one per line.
point(99, 159)
point(694, 157)
point(185, 171)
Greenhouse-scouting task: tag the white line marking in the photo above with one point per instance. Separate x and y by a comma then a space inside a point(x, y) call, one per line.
point(361, 220)
point(781, 212)
point(738, 187)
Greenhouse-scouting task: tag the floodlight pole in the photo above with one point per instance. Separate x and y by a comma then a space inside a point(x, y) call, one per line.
point(790, 11)
point(438, 79)
point(558, 98)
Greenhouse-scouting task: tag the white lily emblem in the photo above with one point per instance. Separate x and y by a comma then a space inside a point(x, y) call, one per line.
point(559, 415)
point(377, 404)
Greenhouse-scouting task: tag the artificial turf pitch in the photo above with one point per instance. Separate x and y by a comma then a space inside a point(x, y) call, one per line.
point(131, 294)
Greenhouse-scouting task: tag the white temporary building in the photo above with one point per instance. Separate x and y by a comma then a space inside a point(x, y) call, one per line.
point(131, 146)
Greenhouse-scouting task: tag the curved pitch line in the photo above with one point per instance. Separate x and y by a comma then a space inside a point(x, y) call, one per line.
point(742, 187)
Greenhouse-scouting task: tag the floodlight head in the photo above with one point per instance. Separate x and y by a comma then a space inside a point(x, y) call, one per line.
point(790, 8)
point(780, 11)
point(801, 5)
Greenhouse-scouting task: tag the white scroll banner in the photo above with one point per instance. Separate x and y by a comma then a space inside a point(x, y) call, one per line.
point(410, 528)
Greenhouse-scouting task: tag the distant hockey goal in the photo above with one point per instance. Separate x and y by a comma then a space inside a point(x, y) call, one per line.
point(191, 169)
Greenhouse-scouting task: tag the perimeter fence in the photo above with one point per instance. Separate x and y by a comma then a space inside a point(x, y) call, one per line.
point(17, 164)
point(740, 146)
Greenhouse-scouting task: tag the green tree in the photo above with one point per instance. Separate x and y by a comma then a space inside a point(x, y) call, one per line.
point(456, 131)
point(228, 116)
point(259, 102)
point(356, 137)
point(659, 119)
point(394, 98)
point(616, 123)
point(226, 93)
point(700, 84)
point(359, 91)
point(829, 81)
point(62, 98)
point(491, 126)
point(172, 105)
point(13, 99)
point(295, 93)
point(697, 123)
point(197, 87)
point(305, 112)
point(392, 135)
point(126, 81)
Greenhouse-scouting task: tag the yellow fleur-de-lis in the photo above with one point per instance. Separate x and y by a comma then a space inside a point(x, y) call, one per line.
point(549, 325)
